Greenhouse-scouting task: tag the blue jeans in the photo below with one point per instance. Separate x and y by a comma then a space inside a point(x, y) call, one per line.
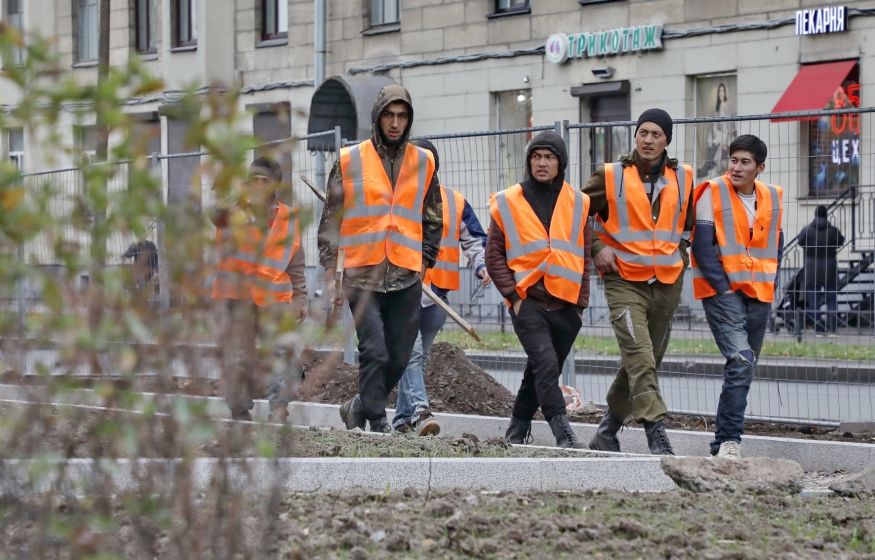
point(738, 323)
point(412, 396)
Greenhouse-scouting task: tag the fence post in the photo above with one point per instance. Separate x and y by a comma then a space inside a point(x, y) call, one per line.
point(569, 370)
point(561, 128)
point(163, 272)
point(22, 316)
point(346, 318)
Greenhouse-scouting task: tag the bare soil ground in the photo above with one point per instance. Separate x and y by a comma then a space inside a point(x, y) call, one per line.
point(445, 524)
point(82, 432)
point(455, 384)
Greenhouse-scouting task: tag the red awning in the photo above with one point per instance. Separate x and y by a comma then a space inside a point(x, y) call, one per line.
point(813, 87)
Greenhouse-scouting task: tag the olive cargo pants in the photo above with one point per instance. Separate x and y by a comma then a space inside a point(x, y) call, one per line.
point(641, 315)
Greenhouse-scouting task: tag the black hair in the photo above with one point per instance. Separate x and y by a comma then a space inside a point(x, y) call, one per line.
point(752, 144)
point(268, 165)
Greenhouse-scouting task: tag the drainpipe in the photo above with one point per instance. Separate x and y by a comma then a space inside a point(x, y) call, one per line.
point(318, 78)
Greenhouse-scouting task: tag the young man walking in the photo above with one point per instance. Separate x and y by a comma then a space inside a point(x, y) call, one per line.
point(385, 214)
point(737, 245)
point(644, 216)
point(261, 264)
point(537, 254)
point(461, 229)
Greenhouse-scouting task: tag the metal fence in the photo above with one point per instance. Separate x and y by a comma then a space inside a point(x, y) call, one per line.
point(825, 385)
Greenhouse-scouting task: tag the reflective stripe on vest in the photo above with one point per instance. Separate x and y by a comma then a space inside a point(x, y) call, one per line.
point(380, 221)
point(256, 269)
point(750, 269)
point(645, 249)
point(445, 273)
point(532, 254)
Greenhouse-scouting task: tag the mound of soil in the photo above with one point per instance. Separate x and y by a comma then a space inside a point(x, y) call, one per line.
point(455, 384)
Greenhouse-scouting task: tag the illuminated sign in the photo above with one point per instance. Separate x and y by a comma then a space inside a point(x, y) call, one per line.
point(560, 47)
point(817, 21)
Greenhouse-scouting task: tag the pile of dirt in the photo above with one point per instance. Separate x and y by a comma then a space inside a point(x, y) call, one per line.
point(455, 384)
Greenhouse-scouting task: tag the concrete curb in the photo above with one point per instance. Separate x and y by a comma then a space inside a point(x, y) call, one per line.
point(85, 476)
point(826, 456)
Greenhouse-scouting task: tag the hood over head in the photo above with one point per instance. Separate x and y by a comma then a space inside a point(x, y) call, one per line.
point(551, 141)
point(390, 94)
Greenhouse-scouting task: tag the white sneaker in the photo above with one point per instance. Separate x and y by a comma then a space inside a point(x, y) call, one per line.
point(730, 450)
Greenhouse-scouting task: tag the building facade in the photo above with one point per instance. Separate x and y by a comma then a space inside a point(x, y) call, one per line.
point(477, 65)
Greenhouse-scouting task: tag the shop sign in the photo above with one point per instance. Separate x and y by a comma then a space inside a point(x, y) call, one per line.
point(560, 47)
point(817, 21)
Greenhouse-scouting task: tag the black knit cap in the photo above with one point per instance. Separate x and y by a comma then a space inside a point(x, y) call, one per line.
point(658, 117)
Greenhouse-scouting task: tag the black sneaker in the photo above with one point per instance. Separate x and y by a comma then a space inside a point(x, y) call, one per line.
point(351, 414)
point(246, 416)
point(404, 428)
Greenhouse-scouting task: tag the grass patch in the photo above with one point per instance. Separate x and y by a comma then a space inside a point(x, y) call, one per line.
point(605, 345)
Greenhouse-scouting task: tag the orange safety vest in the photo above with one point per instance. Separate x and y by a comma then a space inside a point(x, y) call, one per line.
point(750, 261)
point(445, 273)
point(257, 268)
point(379, 221)
point(645, 249)
point(532, 253)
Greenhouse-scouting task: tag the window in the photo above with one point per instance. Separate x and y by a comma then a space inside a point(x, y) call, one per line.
point(834, 143)
point(15, 19)
point(15, 147)
point(384, 12)
point(511, 110)
point(85, 141)
point(184, 21)
point(508, 6)
point(145, 26)
point(274, 19)
point(85, 12)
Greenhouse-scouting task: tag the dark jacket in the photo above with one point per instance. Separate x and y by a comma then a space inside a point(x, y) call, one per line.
point(384, 277)
point(542, 198)
point(598, 200)
point(821, 241)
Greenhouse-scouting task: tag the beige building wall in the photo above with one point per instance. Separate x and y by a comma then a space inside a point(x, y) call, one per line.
point(458, 96)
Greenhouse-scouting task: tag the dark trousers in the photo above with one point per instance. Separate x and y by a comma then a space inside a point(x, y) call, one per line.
point(386, 325)
point(547, 337)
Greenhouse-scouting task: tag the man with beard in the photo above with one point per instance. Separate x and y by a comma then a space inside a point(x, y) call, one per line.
point(383, 210)
point(644, 213)
point(537, 254)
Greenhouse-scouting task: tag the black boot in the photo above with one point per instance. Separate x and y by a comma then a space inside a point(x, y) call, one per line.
point(519, 431)
point(351, 414)
point(657, 439)
point(380, 425)
point(605, 438)
point(565, 436)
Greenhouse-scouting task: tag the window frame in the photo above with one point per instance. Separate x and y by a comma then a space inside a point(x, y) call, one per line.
point(499, 11)
point(15, 20)
point(16, 156)
point(189, 40)
point(79, 41)
point(383, 23)
point(280, 9)
point(151, 26)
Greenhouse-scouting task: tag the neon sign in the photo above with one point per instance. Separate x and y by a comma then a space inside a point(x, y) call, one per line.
point(840, 100)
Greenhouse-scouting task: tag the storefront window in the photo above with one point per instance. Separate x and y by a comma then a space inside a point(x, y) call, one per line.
point(834, 144)
point(512, 110)
point(715, 98)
